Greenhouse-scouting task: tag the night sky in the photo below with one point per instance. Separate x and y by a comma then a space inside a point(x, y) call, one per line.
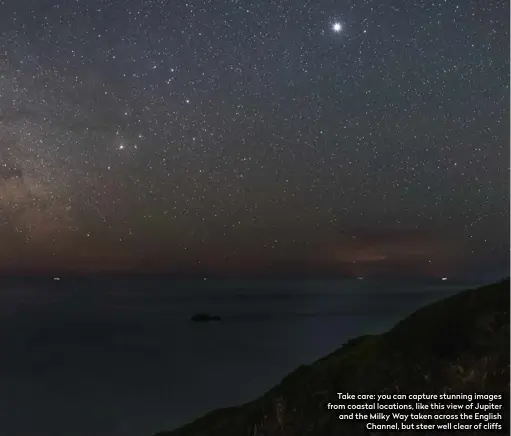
point(235, 137)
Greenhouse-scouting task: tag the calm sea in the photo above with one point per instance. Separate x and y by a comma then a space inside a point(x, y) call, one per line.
point(121, 358)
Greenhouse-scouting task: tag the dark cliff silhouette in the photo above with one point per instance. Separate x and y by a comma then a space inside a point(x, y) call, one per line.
point(460, 344)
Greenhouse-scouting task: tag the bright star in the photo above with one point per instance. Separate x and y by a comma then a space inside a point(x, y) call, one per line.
point(337, 27)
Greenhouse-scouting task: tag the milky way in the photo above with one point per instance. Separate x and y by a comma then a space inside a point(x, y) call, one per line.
point(150, 134)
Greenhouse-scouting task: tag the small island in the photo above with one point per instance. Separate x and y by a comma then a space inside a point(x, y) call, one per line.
point(204, 317)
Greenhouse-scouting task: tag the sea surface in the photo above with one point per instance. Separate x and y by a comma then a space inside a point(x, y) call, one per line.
point(121, 358)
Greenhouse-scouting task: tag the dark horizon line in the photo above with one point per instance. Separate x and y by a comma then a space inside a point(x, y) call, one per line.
point(201, 276)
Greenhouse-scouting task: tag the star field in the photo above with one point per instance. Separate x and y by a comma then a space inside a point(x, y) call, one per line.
point(154, 134)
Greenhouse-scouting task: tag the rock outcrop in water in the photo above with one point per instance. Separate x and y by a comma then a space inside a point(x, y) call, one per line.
point(460, 344)
point(204, 317)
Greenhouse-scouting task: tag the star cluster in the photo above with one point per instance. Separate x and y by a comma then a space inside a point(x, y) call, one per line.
point(150, 134)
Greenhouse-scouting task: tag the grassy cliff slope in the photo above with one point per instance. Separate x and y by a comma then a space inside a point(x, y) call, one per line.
point(460, 344)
